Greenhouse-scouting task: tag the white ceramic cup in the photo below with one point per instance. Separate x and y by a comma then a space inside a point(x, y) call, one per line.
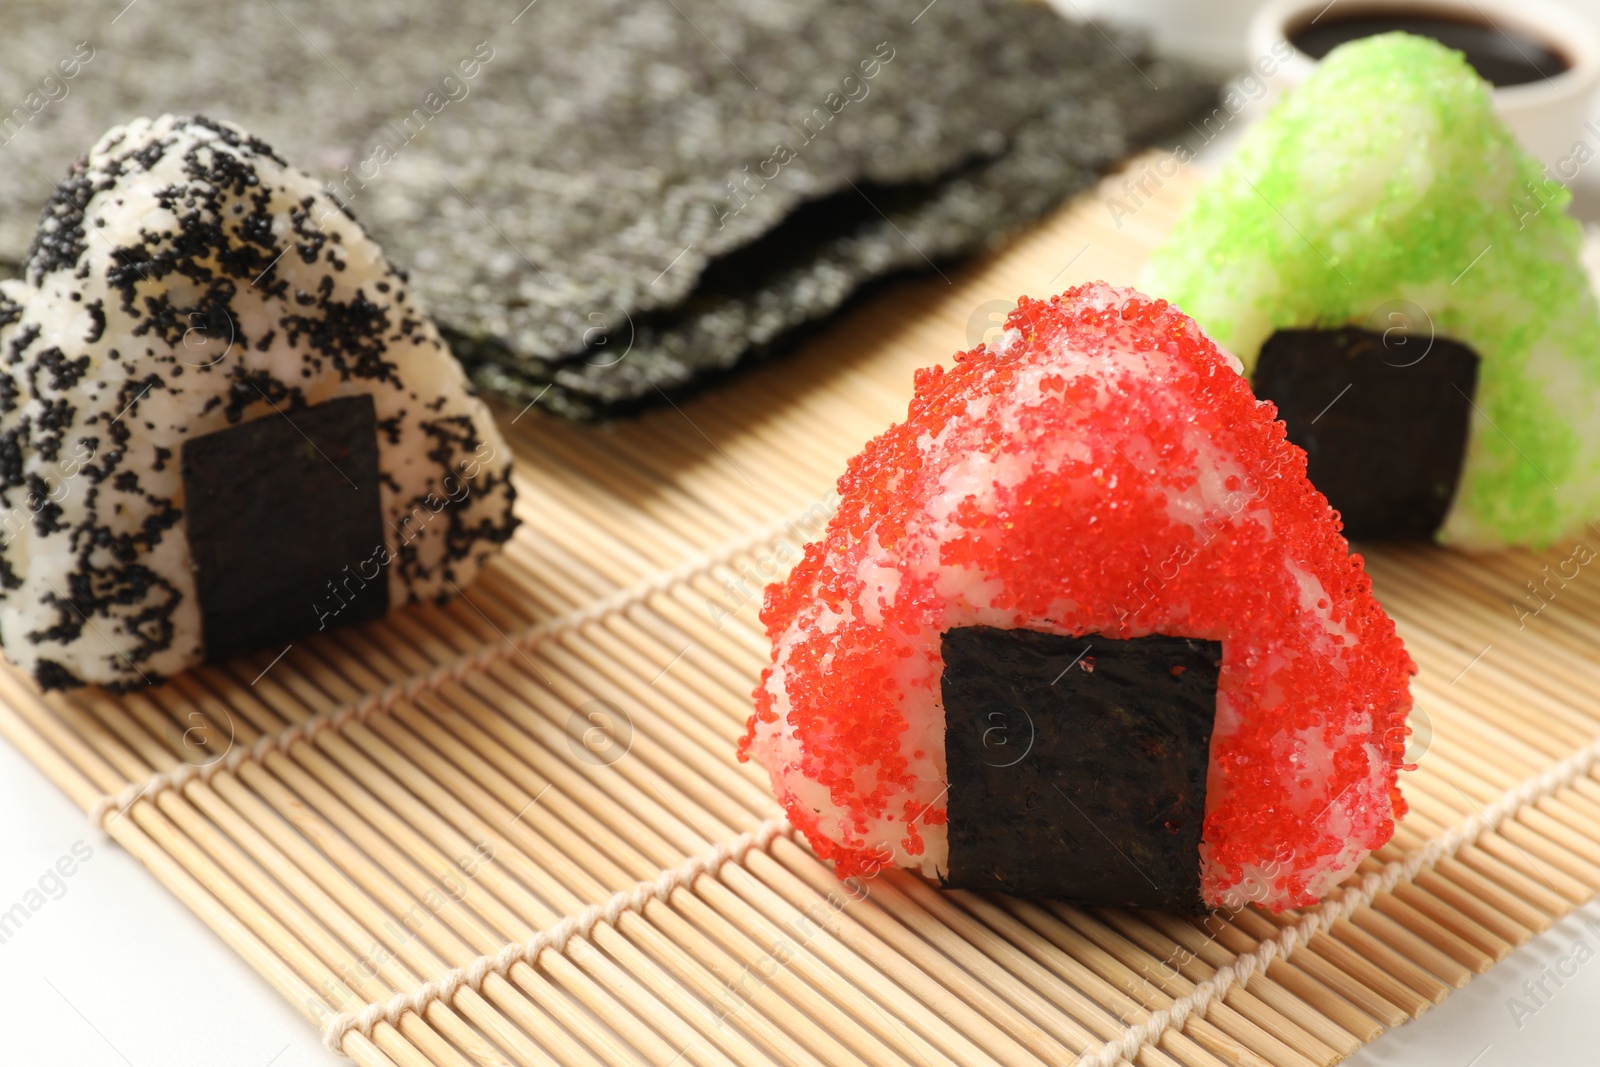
point(1547, 116)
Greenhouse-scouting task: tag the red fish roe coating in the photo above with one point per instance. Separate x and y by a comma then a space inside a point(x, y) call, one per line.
point(1102, 469)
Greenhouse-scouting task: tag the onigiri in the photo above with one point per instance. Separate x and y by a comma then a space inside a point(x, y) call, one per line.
point(225, 422)
point(1083, 599)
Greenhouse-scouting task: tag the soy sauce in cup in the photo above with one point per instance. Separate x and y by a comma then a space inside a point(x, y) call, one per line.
point(1501, 54)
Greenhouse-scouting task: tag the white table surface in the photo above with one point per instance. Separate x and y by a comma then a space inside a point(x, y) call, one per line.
point(113, 971)
point(117, 973)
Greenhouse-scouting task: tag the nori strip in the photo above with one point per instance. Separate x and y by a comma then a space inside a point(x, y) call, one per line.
point(1384, 425)
point(1077, 765)
point(281, 512)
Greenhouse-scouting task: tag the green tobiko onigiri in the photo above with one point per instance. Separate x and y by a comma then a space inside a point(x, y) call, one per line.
point(1386, 181)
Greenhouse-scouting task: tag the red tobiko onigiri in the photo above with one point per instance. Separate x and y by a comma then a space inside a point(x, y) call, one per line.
point(1100, 472)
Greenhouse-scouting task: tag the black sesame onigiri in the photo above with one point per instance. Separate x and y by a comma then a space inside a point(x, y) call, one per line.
point(224, 420)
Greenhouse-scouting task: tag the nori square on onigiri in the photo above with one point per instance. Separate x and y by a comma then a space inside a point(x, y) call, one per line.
point(1389, 460)
point(1100, 471)
point(258, 565)
point(1078, 768)
point(1385, 194)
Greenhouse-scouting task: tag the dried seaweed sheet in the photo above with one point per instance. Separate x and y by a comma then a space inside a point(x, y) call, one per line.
point(569, 174)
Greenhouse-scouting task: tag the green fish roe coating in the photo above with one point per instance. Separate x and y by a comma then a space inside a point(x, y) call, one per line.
point(1387, 177)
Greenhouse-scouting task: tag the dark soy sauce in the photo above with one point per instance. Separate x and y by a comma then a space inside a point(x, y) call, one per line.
point(1501, 54)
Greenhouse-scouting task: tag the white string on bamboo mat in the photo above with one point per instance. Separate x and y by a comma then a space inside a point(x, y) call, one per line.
point(1351, 899)
point(112, 805)
point(474, 974)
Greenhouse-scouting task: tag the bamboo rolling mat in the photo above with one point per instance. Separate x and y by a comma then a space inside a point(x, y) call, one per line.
point(510, 830)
